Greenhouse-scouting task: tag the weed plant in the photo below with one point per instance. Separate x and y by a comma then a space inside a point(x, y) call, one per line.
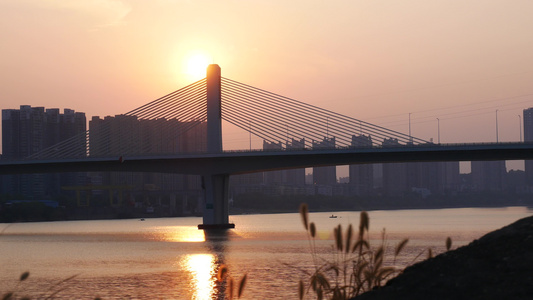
point(356, 266)
point(50, 293)
point(223, 274)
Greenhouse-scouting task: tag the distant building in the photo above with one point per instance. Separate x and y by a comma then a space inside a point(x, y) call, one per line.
point(27, 131)
point(430, 177)
point(362, 175)
point(436, 177)
point(449, 174)
point(325, 175)
point(488, 175)
point(394, 175)
point(295, 177)
point(528, 137)
point(273, 177)
point(122, 135)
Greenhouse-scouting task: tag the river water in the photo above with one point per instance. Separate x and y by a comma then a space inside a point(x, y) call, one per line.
point(169, 258)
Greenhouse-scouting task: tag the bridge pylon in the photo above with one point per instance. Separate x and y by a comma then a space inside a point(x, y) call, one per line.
point(214, 110)
point(216, 186)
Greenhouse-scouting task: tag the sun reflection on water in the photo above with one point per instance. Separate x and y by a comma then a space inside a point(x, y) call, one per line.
point(203, 270)
point(180, 234)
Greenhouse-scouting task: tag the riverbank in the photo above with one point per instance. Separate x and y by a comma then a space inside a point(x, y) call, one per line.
point(499, 265)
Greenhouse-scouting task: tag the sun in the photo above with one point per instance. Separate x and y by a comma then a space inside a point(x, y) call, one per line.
point(197, 66)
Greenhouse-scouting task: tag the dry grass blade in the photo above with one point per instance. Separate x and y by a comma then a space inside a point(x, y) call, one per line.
point(304, 213)
point(369, 277)
point(383, 274)
point(7, 296)
point(24, 276)
point(312, 229)
point(448, 243)
point(64, 280)
point(323, 281)
point(349, 234)
point(362, 268)
point(364, 222)
point(337, 294)
point(241, 285)
point(314, 282)
point(400, 246)
point(51, 296)
point(360, 244)
point(301, 290)
point(338, 237)
point(222, 272)
point(334, 268)
point(319, 294)
point(231, 288)
point(379, 254)
point(378, 263)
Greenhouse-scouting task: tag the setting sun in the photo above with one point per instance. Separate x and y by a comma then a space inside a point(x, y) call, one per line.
point(196, 66)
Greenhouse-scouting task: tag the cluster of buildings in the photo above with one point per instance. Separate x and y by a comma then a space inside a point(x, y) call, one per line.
point(390, 179)
point(364, 179)
point(28, 130)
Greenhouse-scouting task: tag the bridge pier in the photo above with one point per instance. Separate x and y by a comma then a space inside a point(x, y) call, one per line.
point(216, 202)
point(216, 186)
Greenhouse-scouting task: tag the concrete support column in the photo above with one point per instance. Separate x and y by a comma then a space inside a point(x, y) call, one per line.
point(216, 202)
point(214, 112)
point(216, 186)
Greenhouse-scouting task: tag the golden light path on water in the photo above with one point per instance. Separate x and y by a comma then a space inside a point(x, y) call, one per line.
point(180, 234)
point(202, 269)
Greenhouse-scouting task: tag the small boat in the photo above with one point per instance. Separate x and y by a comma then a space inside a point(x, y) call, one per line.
point(333, 217)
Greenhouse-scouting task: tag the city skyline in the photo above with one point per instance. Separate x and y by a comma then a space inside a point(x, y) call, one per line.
point(450, 68)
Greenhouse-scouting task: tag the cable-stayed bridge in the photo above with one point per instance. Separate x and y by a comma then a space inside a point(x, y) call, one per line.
point(182, 133)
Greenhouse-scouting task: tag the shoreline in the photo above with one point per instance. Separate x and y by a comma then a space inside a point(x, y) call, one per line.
point(251, 211)
point(499, 265)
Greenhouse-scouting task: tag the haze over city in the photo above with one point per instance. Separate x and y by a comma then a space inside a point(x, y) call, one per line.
point(149, 206)
point(378, 61)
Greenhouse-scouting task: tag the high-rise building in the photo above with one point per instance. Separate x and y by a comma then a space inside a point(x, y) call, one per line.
point(394, 174)
point(27, 131)
point(362, 175)
point(325, 175)
point(528, 137)
point(449, 180)
point(433, 177)
point(295, 177)
point(122, 135)
point(273, 177)
point(488, 175)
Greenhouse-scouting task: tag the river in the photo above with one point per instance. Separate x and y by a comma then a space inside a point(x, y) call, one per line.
point(169, 258)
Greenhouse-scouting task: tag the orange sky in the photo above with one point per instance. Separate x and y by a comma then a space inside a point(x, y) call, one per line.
point(373, 60)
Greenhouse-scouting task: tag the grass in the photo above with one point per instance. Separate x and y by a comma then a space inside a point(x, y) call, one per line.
point(356, 266)
point(223, 274)
point(50, 293)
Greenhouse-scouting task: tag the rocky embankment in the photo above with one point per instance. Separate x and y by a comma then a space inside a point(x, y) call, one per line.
point(499, 265)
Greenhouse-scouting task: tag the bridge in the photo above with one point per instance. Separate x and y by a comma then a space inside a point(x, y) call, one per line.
point(313, 137)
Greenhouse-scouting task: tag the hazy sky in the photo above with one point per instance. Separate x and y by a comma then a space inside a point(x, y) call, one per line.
point(456, 60)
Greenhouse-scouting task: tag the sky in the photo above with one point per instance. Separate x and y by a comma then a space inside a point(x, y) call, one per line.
point(465, 62)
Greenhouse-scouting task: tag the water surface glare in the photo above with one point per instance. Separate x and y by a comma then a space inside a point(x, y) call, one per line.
point(169, 258)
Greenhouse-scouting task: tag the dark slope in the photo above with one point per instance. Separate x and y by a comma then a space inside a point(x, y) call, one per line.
point(499, 265)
